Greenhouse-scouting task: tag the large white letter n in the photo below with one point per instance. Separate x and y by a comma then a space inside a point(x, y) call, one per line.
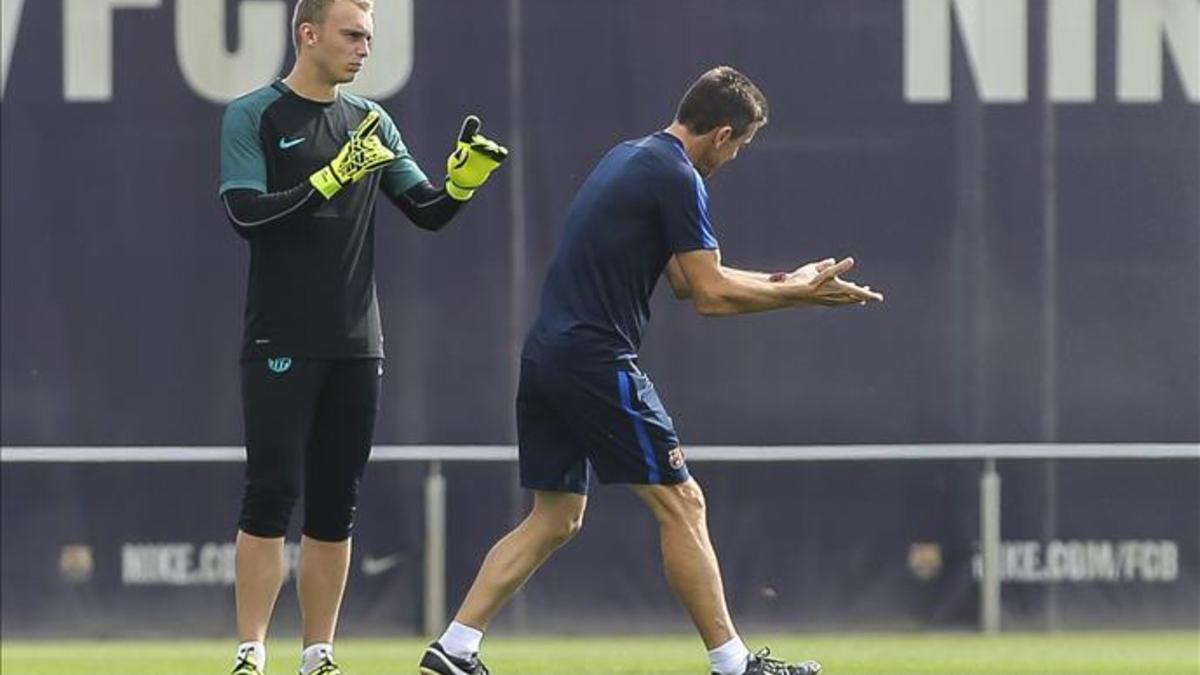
point(10, 14)
point(1142, 26)
point(995, 34)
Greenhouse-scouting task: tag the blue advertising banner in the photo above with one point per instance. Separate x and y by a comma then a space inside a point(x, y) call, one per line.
point(107, 550)
point(118, 550)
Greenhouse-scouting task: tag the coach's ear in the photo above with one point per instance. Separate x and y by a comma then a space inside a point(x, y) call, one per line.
point(722, 135)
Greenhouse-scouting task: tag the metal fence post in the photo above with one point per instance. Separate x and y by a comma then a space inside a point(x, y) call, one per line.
point(989, 528)
point(434, 597)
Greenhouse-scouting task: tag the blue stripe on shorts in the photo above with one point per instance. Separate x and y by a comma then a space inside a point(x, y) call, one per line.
point(639, 425)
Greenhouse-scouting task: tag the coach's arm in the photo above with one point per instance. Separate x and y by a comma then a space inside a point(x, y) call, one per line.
point(679, 283)
point(716, 290)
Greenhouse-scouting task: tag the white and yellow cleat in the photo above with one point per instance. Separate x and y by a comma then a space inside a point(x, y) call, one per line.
point(247, 664)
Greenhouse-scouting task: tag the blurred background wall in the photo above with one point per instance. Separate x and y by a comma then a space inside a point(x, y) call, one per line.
point(1021, 179)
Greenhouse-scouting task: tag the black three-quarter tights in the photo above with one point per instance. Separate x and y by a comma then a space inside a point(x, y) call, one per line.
point(309, 425)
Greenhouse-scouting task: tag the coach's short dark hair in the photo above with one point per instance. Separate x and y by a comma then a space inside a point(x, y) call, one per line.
point(722, 97)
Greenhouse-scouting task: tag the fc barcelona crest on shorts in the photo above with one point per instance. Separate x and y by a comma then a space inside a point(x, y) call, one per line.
point(675, 458)
point(279, 364)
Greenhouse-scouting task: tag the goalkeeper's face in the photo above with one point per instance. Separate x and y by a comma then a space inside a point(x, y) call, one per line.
point(343, 42)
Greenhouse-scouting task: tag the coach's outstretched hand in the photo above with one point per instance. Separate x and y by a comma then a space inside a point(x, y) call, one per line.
point(473, 160)
point(361, 155)
point(826, 288)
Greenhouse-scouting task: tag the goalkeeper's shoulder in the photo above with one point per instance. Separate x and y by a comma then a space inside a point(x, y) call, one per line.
point(244, 114)
point(255, 100)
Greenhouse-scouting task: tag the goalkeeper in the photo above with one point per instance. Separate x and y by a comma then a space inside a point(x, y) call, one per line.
point(301, 165)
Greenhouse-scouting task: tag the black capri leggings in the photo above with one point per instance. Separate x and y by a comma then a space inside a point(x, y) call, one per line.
point(309, 422)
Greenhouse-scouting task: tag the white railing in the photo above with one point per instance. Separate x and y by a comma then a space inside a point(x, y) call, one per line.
point(435, 483)
point(702, 453)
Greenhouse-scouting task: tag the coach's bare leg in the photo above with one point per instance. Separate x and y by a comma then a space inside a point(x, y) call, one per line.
point(320, 582)
point(688, 557)
point(259, 569)
point(555, 518)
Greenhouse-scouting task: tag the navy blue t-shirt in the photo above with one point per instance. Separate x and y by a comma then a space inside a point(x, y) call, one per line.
point(642, 203)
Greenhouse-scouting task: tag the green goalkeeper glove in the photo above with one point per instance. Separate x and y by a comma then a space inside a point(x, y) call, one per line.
point(474, 158)
point(361, 155)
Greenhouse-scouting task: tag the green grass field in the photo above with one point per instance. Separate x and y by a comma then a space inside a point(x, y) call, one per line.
point(858, 654)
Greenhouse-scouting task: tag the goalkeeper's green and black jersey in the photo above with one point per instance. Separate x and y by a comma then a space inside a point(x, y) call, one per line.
point(312, 271)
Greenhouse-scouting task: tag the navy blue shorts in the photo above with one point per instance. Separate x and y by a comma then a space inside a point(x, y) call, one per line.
point(610, 419)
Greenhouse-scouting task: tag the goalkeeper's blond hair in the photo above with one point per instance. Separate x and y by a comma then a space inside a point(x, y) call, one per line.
point(314, 11)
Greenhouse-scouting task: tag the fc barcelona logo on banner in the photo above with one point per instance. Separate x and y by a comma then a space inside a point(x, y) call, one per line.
point(925, 560)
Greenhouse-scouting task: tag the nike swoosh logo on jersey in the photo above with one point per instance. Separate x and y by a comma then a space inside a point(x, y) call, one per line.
point(285, 142)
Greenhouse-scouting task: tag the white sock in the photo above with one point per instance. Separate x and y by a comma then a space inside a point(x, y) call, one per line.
point(255, 650)
point(730, 658)
point(313, 655)
point(460, 641)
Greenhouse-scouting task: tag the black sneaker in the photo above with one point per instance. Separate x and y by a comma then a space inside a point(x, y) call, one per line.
point(437, 662)
point(762, 664)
